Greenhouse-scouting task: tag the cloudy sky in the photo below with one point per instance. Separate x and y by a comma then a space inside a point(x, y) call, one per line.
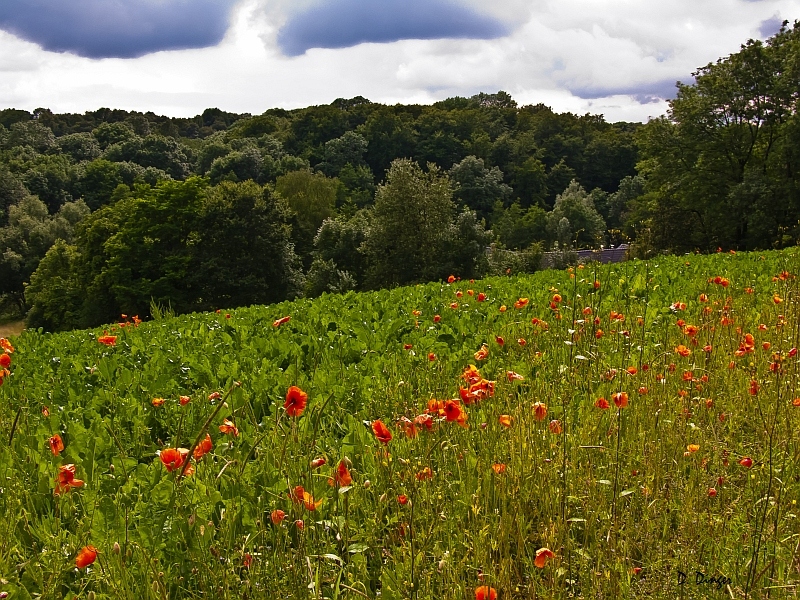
point(620, 58)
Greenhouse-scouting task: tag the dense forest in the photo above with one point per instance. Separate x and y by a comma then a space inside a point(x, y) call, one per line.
point(113, 212)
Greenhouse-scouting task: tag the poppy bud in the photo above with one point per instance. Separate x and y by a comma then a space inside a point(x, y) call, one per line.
point(115, 548)
point(746, 462)
point(367, 484)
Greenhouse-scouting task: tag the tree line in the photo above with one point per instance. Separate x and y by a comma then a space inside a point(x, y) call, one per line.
point(106, 212)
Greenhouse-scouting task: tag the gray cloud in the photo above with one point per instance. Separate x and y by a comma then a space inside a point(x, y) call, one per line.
point(116, 28)
point(771, 26)
point(643, 93)
point(344, 23)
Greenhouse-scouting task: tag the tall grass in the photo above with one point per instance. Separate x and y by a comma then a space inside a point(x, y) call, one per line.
point(621, 496)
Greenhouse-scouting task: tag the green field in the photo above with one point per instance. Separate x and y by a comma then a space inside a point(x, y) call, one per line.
point(622, 497)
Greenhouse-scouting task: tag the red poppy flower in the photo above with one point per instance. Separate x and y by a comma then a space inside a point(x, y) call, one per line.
point(451, 279)
point(542, 556)
point(66, 479)
point(277, 516)
point(682, 350)
point(598, 334)
point(5, 360)
point(522, 341)
point(437, 318)
point(692, 448)
point(424, 420)
point(555, 426)
point(184, 400)
point(500, 341)
point(620, 399)
point(408, 426)
point(483, 353)
point(317, 463)
point(499, 468)
point(521, 303)
point(6, 346)
point(203, 448)
point(157, 402)
point(712, 493)
point(512, 376)
point(485, 593)
point(506, 420)
point(381, 431)
point(459, 294)
point(299, 524)
point(342, 475)
point(431, 357)
point(309, 503)
point(86, 556)
point(108, 340)
point(754, 387)
point(746, 462)
point(481, 297)
point(228, 427)
point(503, 308)
point(402, 499)
point(281, 321)
point(56, 444)
point(296, 400)
point(539, 410)
point(454, 412)
point(425, 474)
point(602, 403)
point(173, 458)
point(407, 346)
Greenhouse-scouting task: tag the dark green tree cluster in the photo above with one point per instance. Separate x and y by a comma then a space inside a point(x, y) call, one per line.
point(224, 209)
point(722, 169)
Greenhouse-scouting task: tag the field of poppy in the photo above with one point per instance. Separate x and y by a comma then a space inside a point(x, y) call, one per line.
point(622, 430)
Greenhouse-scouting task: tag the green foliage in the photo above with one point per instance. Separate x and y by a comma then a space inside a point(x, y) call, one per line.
point(11, 192)
point(517, 228)
point(478, 187)
point(26, 238)
point(55, 298)
point(410, 227)
point(575, 219)
point(243, 254)
point(312, 199)
point(179, 244)
point(613, 492)
point(721, 170)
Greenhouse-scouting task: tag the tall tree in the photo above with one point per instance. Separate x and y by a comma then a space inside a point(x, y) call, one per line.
point(722, 168)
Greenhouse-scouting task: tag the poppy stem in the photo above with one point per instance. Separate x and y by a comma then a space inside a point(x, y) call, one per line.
point(204, 428)
point(14, 426)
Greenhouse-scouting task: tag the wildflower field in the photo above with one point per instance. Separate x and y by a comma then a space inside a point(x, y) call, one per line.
point(611, 431)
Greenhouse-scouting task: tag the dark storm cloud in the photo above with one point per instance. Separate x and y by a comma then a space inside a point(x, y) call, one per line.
point(343, 23)
point(643, 93)
point(116, 28)
point(770, 27)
